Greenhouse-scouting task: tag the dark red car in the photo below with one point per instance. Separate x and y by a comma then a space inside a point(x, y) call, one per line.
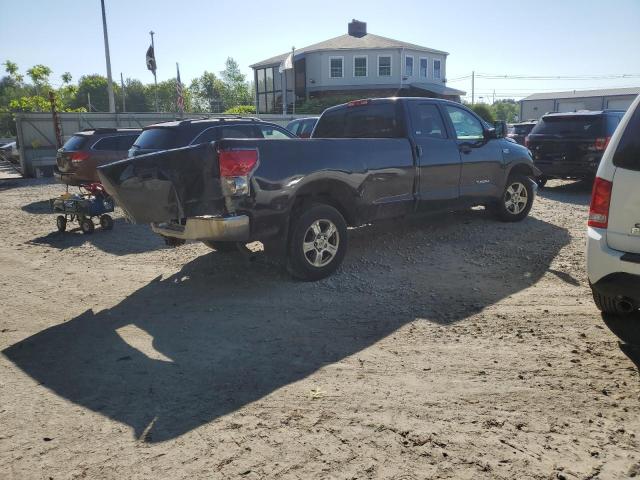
point(77, 160)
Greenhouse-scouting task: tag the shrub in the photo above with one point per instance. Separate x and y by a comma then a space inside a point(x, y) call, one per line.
point(241, 110)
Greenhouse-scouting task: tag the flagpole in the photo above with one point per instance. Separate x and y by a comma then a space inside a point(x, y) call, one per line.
point(155, 79)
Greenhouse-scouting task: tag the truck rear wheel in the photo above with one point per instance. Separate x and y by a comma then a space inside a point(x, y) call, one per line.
point(517, 199)
point(317, 244)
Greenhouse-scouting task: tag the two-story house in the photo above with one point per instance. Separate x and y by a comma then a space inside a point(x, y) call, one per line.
point(358, 63)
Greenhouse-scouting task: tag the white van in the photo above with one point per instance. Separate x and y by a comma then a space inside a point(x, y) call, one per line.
point(613, 245)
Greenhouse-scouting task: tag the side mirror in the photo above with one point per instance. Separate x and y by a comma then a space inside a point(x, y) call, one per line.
point(500, 127)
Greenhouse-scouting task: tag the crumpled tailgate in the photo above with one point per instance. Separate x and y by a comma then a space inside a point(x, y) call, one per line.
point(166, 186)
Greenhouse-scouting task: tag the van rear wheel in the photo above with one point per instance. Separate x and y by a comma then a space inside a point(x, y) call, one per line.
point(317, 242)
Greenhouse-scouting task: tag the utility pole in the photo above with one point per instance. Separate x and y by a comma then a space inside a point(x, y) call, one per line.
point(155, 79)
point(124, 108)
point(473, 87)
point(112, 100)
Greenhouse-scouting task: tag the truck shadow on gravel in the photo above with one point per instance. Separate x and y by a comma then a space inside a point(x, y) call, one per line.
point(575, 193)
point(219, 334)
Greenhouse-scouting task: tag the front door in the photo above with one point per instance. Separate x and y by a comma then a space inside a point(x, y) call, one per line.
point(438, 162)
point(482, 172)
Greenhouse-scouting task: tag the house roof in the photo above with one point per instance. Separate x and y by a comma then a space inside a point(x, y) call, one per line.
point(349, 42)
point(605, 92)
point(438, 88)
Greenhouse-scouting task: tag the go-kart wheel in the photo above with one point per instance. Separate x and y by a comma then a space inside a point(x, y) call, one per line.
point(61, 223)
point(106, 222)
point(87, 226)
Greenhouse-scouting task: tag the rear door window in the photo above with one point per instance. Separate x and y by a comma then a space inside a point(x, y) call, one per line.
point(157, 139)
point(209, 135)
point(107, 143)
point(580, 126)
point(238, 131)
point(426, 121)
point(125, 141)
point(376, 120)
point(76, 142)
point(627, 154)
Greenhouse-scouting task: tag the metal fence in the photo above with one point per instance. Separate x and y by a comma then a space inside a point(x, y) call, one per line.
point(37, 140)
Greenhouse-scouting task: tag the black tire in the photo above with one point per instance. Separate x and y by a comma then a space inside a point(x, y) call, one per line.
point(625, 327)
point(324, 229)
point(222, 247)
point(106, 222)
point(515, 211)
point(608, 305)
point(61, 223)
point(87, 226)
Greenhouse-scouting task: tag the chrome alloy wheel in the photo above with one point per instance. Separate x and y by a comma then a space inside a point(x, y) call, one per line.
point(516, 198)
point(321, 242)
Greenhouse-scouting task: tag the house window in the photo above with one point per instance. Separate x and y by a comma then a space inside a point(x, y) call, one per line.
point(408, 66)
point(336, 65)
point(266, 89)
point(436, 69)
point(384, 66)
point(360, 66)
point(424, 67)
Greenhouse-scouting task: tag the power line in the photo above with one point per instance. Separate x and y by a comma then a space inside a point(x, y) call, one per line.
point(494, 76)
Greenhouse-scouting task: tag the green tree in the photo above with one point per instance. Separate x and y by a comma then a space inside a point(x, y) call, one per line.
point(506, 110)
point(236, 89)
point(168, 96)
point(39, 75)
point(483, 110)
point(206, 92)
point(12, 69)
point(94, 86)
point(66, 78)
point(139, 98)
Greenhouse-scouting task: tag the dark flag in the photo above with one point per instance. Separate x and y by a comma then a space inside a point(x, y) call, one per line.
point(151, 60)
point(180, 99)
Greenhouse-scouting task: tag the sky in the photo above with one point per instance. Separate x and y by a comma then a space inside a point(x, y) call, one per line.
point(587, 38)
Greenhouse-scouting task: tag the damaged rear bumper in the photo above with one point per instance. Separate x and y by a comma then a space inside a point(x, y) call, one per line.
point(207, 227)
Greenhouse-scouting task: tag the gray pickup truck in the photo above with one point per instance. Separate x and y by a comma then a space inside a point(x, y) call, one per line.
point(366, 160)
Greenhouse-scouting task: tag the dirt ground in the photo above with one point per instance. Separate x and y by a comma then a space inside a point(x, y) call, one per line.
point(445, 347)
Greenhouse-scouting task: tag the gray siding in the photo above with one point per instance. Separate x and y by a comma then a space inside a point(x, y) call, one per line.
point(534, 109)
point(318, 70)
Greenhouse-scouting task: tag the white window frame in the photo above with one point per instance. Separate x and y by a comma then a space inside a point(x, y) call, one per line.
point(439, 77)
point(336, 57)
point(420, 67)
point(413, 66)
point(390, 57)
point(366, 70)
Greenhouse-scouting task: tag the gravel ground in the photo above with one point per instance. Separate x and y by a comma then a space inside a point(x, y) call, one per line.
point(451, 346)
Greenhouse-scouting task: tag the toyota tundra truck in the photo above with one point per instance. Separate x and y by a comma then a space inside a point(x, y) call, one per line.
point(366, 160)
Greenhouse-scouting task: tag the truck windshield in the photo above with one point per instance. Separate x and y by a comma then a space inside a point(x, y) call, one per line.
point(583, 126)
point(376, 120)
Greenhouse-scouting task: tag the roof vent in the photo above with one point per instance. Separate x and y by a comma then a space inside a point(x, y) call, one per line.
point(357, 28)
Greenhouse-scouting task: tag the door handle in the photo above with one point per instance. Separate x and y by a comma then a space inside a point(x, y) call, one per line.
point(464, 148)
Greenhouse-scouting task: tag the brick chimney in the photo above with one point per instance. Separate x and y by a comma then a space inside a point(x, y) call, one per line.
point(357, 28)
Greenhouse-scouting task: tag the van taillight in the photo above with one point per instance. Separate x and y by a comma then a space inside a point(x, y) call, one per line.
point(600, 202)
point(79, 157)
point(601, 144)
point(237, 163)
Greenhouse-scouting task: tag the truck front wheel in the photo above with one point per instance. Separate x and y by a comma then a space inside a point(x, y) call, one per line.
point(318, 242)
point(517, 199)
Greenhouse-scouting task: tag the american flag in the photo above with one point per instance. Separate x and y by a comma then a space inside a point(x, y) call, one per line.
point(180, 99)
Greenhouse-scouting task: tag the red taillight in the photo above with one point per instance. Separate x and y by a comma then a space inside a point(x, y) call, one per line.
point(601, 144)
point(237, 163)
point(357, 103)
point(526, 141)
point(79, 156)
point(600, 202)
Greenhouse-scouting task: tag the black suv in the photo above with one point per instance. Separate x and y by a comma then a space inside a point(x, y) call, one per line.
point(519, 131)
point(570, 145)
point(168, 135)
